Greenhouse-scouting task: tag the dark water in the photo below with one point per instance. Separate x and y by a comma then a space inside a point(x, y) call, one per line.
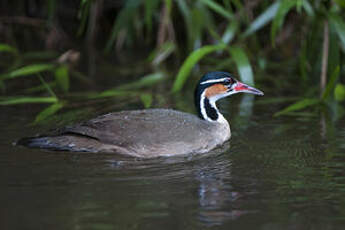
point(276, 173)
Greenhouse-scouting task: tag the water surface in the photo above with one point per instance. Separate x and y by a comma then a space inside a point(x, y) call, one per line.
point(275, 173)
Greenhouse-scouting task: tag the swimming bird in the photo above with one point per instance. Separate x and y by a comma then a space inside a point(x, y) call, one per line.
point(153, 132)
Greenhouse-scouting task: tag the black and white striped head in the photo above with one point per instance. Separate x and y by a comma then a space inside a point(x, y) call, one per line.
point(214, 86)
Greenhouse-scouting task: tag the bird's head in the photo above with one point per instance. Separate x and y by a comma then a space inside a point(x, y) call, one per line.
point(216, 85)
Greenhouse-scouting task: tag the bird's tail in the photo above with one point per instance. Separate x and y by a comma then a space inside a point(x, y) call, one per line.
point(47, 142)
point(72, 143)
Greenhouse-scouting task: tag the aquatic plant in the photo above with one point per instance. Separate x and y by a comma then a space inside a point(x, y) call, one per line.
point(303, 38)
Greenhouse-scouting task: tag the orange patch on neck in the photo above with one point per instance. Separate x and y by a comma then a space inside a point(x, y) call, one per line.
point(214, 90)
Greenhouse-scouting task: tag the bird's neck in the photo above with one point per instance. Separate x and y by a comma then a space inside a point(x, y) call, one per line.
point(208, 110)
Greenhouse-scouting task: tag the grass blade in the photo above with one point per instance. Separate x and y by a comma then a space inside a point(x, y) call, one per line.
point(26, 100)
point(304, 103)
point(147, 80)
point(83, 14)
point(46, 85)
point(162, 53)
point(276, 100)
point(278, 20)
point(8, 49)
point(49, 111)
point(218, 8)
point(263, 19)
point(189, 23)
point(230, 32)
point(114, 93)
point(39, 88)
point(339, 26)
point(339, 92)
point(123, 90)
point(308, 8)
point(62, 78)
point(243, 65)
point(147, 99)
point(150, 7)
point(331, 83)
point(341, 3)
point(28, 70)
point(123, 20)
point(189, 63)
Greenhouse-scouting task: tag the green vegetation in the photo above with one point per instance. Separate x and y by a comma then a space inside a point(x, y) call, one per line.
point(262, 41)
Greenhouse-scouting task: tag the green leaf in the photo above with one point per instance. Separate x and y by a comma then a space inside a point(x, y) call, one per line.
point(49, 111)
point(275, 100)
point(189, 23)
point(161, 53)
point(123, 20)
point(341, 3)
point(114, 93)
point(278, 20)
point(304, 103)
point(62, 78)
point(150, 7)
point(26, 100)
point(331, 83)
point(238, 5)
point(28, 70)
point(218, 8)
point(189, 63)
point(147, 80)
point(196, 25)
point(83, 14)
point(39, 88)
point(146, 98)
point(299, 5)
point(308, 8)
point(185, 11)
point(230, 32)
point(8, 49)
point(339, 92)
point(263, 19)
point(301, 114)
point(334, 49)
point(339, 26)
point(47, 86)
point(243, 65)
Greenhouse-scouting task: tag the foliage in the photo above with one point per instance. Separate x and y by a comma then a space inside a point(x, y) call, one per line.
point(339, 92)
point(190, 62)
point(249, 35)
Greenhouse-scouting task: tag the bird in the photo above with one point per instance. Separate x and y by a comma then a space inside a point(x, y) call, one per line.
point(150, 133)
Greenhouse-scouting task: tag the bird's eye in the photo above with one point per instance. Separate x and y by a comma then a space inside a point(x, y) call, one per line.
point(228, 81)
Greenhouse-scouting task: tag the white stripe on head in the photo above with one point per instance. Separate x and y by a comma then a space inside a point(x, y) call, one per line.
point(214, 81)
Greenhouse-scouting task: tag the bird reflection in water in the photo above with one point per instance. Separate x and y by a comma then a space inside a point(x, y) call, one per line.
point(218, 200)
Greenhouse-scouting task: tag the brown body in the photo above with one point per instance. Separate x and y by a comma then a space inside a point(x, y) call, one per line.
point(153, 132)
point(140, 133)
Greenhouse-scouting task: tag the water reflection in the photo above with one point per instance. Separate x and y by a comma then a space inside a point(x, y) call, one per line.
point(210, 175)
point(217, 198)
point(285, 173)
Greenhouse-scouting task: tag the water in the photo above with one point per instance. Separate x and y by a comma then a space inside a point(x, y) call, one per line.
point(276, 173)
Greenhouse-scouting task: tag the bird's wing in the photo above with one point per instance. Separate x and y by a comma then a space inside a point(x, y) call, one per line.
point(142, 127)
